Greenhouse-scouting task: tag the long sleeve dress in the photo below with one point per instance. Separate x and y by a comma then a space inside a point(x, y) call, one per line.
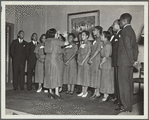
point(39, 69)
point(84, 71)
point(70, 70)
point(95, 71)
point(53, 63)
point(107, 72)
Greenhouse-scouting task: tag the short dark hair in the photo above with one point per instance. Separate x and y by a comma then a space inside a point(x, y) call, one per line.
point(19, 33)
point(51, 33)
point(63, 38)
point(99, 28)
point(78, 35)
point(86, 32)
point(71, 34)
point(110, 30)
point(107, 35)
point(41, 37)
point(32, 35)
point(126, 16)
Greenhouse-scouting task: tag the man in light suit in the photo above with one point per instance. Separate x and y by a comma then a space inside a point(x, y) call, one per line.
point(17, 52)
point(31, 60)
point(127, 57)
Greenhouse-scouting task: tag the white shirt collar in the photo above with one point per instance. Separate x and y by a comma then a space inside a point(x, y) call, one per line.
point(126, 25)
point(118, 31)
point(34, 42)
point(94, 42)
point(20, 40)
point(112, 38)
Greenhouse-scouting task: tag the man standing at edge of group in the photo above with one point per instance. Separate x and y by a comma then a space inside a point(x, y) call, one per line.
point(116, 29)
point(127, 57)
point(17, 52)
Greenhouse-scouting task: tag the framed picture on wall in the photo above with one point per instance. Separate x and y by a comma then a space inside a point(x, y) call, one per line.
point(77, 22)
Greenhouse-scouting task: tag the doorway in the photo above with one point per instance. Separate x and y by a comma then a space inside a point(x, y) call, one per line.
point(9, 36)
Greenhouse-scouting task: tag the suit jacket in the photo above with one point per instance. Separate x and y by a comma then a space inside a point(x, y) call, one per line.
point(127, 47)
point(115, 48)
point(17, 52)
point(31, 56)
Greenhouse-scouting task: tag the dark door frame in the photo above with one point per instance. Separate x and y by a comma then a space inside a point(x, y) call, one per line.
point(9, 27)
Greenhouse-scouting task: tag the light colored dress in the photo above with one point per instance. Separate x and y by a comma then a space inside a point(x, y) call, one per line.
point(107, 72)
point(39, 69)
point(70, 70)
point(84, 71)
point(53, 63)
point(95, 71)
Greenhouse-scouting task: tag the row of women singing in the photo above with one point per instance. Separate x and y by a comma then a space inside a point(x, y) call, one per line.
point(88, 65)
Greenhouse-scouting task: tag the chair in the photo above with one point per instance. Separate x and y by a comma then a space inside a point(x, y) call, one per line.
point(140, 80)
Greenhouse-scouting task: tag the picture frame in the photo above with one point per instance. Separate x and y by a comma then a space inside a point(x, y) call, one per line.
point(77, 22)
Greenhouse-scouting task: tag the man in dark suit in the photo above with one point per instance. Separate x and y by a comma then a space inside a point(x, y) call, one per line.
point(31, 60)
point(114, 41)
point(127, 57)
point(17, 52)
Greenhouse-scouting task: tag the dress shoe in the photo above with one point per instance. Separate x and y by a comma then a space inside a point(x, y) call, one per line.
point(67, 92)
point(39, 90)
point(58, 97)
point(105, 99)
point(71, 93)
point(96, 97)
point(85, 95)
point(80, 94)
point(114, 99)
point(45, 91)
point(51, 96)
point(92, 96)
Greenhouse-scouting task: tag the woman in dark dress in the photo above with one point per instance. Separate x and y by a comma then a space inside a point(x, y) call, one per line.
point(83, 66)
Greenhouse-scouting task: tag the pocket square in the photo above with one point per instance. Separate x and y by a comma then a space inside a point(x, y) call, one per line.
point(41, 47)
point(116, 39)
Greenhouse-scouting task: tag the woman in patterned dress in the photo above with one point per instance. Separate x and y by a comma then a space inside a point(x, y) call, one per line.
point(53, 62)
point(107, 72)
point(39, 70)
point(83, 66)
point(70, 67)
point(94, 61)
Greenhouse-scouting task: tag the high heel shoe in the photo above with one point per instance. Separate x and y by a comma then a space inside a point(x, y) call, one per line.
point(80, 94)
point(67, 92)
point(95, 97)
point(92, 96)
point(39, 90)
point(58, 97)
point(85, 95)
point(71, 93)
point(50, 95)
point(105, 99)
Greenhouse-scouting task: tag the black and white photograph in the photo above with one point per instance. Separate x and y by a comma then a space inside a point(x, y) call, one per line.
point(74, 60)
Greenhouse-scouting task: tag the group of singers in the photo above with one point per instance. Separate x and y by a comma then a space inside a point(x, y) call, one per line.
point(105, 64)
